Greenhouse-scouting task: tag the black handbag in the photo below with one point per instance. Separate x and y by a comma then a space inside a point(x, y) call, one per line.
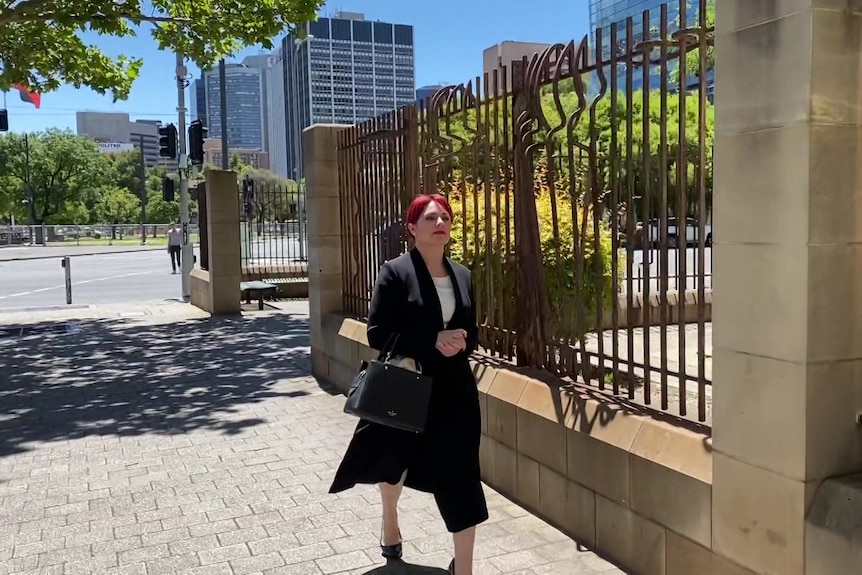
point(390, 395)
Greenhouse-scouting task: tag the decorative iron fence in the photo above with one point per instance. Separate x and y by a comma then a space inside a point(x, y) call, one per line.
point(273, 238)
point(377, 169)
point(568, 173)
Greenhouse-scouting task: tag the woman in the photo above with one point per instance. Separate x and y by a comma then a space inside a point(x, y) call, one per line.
point(427, 299)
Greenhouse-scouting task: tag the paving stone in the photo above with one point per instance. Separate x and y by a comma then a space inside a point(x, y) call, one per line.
point(344, 562)
point(209, 454)
point(222, 554)
point(257, 563)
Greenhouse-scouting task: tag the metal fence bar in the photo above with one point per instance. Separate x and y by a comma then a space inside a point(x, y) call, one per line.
point(582, 191)
point(273, 236)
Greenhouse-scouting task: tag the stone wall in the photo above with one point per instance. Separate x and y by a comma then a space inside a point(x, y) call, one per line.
point(626, 484)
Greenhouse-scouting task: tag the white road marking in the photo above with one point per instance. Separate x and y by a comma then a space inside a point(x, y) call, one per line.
point(74, 283)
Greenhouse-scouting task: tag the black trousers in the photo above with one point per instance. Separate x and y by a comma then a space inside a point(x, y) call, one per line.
point(175, 252)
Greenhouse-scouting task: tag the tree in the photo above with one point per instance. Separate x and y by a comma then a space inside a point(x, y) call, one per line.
point(236, 164)
point(66, 172)
point(127, 166)
point(159, 211)
point(118, 206)
point(692, 57)
point(34, 32)
point(606, 126)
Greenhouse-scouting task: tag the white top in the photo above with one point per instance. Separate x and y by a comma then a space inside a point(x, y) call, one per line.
point(446, 293)
point(175, 237)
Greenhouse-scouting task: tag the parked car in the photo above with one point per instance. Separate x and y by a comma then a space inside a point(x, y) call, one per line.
point(673, 240)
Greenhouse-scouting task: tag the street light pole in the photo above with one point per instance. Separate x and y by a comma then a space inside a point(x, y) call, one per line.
point(183, 165)
point(222, 75)
point(31, 207)
point(143, 192)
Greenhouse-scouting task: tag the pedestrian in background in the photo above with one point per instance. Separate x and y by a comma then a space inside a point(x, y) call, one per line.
point(175, 245)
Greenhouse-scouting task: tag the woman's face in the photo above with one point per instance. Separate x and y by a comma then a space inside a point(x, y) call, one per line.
point(433, 226)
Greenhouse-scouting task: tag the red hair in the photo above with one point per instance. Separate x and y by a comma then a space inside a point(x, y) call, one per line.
point(420, 203)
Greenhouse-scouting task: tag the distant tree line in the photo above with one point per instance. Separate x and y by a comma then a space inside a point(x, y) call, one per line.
point(71, 182)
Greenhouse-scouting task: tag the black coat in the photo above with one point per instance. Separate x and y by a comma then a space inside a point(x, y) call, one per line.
point(443, 460)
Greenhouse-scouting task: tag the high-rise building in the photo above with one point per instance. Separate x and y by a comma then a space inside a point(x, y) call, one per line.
point(275, 112)
point(117, 128)
point(261, 63)
point(425, 93)
point(145, 133)
point(198, 101)
point(245, 106)
point(603, 13)
point(502, 55)
point(254, 158)
point(346, 70)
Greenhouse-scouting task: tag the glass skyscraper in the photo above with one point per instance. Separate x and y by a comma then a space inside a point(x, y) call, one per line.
point(604, 13)
point(346, 70)
point(246, 104)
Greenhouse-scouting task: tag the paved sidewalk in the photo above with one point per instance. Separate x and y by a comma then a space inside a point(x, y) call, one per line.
point(147, 440)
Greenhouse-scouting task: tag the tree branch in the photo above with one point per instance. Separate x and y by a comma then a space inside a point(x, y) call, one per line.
point(31, 13)
point(21, 10)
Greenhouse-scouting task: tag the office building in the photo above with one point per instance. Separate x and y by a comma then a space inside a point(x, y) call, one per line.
point(603, 13)
point(198, 101)
point(346, 70)
point(255, 158)
point(245, 106)
point(117, 128)
point(503, 54)
point(261, 63)
point(276, 145)
point(425, 93)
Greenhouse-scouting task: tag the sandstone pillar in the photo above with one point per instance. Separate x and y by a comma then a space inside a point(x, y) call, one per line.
point(788, 272)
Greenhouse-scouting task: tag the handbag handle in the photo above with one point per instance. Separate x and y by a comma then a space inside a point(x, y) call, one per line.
point(386, 353)
point(389, 347)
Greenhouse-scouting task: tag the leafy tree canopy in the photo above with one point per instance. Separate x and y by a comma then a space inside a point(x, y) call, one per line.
point(40, 45)
point(65, 173)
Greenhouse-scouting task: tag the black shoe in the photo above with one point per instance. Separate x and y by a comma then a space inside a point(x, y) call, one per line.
point(391, 551)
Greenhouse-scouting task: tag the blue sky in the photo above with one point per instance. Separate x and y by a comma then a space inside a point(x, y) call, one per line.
point(449, 34)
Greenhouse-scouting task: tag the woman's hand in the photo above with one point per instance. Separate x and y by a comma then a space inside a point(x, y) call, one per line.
point(451, 342)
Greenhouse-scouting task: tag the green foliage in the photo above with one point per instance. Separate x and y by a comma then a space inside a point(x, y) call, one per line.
point(158, 210)
point(127, 166)
point(65, 170)
point(72, 182)
point(117, 206)
point(608, 124)
point(692, 58)
point(576, 255)
point(235, 163)
point(34, 32)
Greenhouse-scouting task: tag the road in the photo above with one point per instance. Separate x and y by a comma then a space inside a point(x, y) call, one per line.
point(32, 252)
point(654, 259)
point(96, 279)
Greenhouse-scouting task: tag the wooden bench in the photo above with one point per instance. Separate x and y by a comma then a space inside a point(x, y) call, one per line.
point(258, 289)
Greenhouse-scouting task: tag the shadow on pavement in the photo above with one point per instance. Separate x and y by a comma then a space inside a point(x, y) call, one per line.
point(62, 380)
point(402, 568)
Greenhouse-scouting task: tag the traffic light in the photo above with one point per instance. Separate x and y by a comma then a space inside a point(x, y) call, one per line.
point(197, 135)
point(248, 197)
point(4, 121)
point(168, 189)
point(168, 141)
